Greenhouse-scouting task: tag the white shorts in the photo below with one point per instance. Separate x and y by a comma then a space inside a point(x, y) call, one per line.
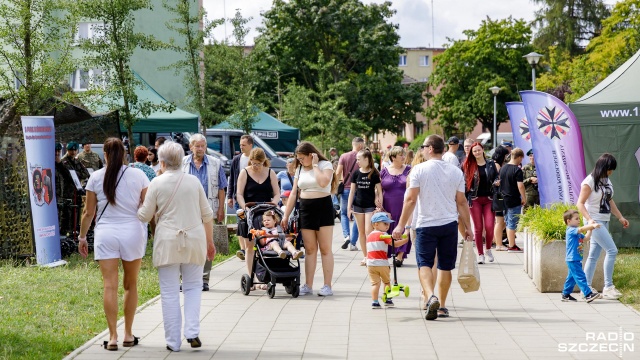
point(126, 241)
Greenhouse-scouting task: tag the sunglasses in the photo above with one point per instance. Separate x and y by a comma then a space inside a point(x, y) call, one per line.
point(424, 146)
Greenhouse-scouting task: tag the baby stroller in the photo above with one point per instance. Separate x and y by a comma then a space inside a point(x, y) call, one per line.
point(268, 267)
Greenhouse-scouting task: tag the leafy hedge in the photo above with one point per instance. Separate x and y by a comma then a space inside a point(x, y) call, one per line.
point(546, 223)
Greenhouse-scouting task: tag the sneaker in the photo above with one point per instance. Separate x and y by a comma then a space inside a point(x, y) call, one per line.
point(568, 298)
point(346, 243)
point(297, 255)
point(432, 308)
point(353, 248)
point(594, 295)
point(305, 290)
point(376, 305)
point(514, 249)
point(325, 291)
point(611, 293)
point(480, 259)
point(489, 255)
point(240, 254)
point(389, 303)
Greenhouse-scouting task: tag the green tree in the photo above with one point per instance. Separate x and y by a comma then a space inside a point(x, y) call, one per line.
point(568, 25)
point(111, 52)
point(489, 56)
point(572, 77)
point(36, 39)
point(359, 42)
point(231, 79)
point(320, 114)
point(191, 45)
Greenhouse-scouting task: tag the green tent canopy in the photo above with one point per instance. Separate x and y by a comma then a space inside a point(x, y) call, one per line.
point(159, 121)
point(280, 136)
point(609, 118)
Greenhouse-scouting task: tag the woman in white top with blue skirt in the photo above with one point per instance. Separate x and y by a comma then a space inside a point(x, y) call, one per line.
point(315, 179)
point(117, 191)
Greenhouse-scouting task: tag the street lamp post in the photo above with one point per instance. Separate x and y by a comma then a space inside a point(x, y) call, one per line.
point(533, 58)
point(494, 90)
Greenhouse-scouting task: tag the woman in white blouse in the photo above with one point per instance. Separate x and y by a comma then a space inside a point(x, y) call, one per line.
point(183, 240)
point(315, 179)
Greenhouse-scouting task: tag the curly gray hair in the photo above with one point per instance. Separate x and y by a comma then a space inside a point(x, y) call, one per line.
point(171, 154)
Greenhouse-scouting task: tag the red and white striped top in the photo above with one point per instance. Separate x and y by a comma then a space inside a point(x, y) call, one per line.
point(377, 249)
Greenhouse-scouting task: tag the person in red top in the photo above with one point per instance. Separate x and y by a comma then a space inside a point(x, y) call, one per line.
point(377, 261)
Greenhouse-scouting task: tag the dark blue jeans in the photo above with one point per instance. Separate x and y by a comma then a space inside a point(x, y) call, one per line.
point(344, 220)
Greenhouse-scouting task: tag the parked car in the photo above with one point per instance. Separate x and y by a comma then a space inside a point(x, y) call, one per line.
point(227, 142)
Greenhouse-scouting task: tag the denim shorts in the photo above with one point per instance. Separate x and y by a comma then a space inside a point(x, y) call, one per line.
point(443, 239)
point(361, 210)
point(512, 216)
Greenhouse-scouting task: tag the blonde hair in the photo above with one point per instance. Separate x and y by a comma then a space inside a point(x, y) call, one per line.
point(395, 151)
point(259, 155)
point(517, 153)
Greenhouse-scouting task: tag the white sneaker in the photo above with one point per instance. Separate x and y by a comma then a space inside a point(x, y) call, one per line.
point(489, 255)
point(353, 248)
point(611, 293)
point(480, 259)
point(325, 291)
point(305, 290)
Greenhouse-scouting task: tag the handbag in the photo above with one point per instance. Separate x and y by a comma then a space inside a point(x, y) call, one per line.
point(468, 272)
point(341, 184)
point(294, 219)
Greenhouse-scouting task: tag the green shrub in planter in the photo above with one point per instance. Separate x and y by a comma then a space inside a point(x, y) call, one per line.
point(546, 223)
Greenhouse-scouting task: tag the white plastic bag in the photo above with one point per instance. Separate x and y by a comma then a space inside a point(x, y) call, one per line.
point(468, 272)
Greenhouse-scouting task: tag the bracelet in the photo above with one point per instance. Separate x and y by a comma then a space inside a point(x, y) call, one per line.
point(80, 238)
point(407, 227)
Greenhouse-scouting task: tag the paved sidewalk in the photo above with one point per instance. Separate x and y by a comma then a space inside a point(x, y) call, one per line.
point(507, 319)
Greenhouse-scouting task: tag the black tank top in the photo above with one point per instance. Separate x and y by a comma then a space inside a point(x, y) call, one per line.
point(254, 192)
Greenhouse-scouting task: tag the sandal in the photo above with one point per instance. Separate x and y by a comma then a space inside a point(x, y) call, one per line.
point(297, 255)
point(501, 248)
point(443, 312)
point(131, 343)
point(263, 287)
point(110, 347)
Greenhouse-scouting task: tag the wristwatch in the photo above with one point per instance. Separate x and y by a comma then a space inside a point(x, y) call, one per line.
point(408, 227)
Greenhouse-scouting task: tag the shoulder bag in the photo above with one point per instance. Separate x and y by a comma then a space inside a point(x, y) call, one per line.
point(341, 185)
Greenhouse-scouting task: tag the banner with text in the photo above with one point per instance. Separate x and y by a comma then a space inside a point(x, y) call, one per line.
point(557, 140)
point(39, 143)
point(519, 128)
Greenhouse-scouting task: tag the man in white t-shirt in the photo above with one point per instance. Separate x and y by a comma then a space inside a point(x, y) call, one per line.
point(450, 156)
point(437, 188)
point(238, 163)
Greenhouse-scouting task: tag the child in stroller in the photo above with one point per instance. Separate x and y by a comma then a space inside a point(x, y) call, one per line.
point(271, 262)
point(269, 220)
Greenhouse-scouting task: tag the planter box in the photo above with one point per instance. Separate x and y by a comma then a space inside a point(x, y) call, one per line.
point(547, 267)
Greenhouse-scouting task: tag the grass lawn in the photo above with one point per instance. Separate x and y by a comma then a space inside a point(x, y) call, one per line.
point(46, 313)
point(625, 276)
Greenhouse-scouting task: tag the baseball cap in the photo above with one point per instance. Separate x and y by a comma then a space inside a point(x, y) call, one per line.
point(530, 152)
point(507, 144)
point(453, 140)
point(333, 149)
point(72, 145)
point(381, 217)
point(58, 146)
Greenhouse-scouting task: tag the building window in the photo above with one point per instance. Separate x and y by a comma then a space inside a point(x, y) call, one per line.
point(89, 30)
point(424, 60)
point(81, 80)
point(418, 129)
point(403, 60)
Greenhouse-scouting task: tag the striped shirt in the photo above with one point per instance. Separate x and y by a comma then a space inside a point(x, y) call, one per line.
point(377, 249)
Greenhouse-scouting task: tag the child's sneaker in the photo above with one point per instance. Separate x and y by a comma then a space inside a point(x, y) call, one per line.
point(376, 305)
point(240, 254)
point(568, 298)
point(594, 295)
point(353, 247)
point(389, 303)
point(489, 255)
point(282, 254)
point(611, 293)
point(480, 259)
point(305, 290)
point(297, 255)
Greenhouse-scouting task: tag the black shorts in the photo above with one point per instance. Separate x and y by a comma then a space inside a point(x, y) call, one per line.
point(316, 213)
point(442, 238)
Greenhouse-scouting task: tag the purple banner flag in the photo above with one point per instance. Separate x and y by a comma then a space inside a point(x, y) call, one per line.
point(519, 128)
point(557, 140)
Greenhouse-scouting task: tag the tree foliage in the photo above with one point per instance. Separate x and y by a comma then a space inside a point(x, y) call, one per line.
point(572, 77)
point(36, 39)
point(358, 42)
point(568, 25)
point(232, 79)
point(111, 51)
point(489, 56)
point(191, 45)
point(320, 114)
